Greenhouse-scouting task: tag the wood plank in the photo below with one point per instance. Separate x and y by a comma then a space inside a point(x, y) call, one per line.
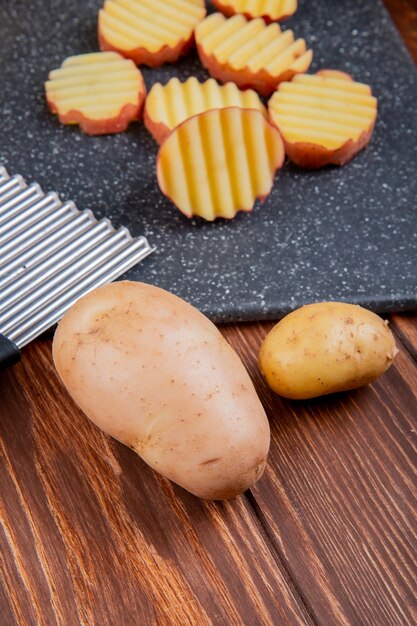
point(339, 495)
point(91, 535)
point(405, 326)
point(404, 16)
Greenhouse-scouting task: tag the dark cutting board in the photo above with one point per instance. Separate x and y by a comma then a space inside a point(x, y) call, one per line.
point(347, 234)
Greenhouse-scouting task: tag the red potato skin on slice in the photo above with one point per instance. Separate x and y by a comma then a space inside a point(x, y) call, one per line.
point(158, 130)
point(229, 11)
point(141, 56)
point(262, 82)
point(262, 198)
point(109, 126)
point(312, 156)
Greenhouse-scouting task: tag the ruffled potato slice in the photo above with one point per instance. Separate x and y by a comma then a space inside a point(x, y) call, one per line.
point(152, 32)
point(168, 105)
point(101, 91)
point(251, 53)
point(218, 162)
point(324, 118)
point(269, 10)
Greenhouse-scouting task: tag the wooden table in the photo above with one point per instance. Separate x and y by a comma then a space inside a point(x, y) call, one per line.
point(90, 535)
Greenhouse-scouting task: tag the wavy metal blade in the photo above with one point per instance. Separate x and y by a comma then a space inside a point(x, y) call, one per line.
point(51, 254)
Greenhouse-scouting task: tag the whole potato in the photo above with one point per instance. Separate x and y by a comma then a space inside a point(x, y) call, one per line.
point(156, 374)
point(324, 348)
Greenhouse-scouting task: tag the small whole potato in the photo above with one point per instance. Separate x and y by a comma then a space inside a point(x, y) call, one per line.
point(325, 348)
point(156, 374)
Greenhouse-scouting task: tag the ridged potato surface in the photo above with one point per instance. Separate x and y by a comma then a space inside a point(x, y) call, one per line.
point(218, 162)
point(152, 32)
point(250, 53)
point(100, 91)
point(324, 118)
point(168, 105)
point(269, 10)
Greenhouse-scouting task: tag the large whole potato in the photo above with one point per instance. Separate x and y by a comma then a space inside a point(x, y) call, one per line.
point(152, 371)
point(324, 348)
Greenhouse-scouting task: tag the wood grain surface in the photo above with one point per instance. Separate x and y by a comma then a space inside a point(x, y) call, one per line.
point(91, 535)
point(339, 495)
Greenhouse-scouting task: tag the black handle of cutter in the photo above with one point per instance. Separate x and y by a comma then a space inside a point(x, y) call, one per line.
point(9, 352)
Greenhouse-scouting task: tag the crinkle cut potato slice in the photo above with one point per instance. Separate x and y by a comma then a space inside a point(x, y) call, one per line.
point(168, 105)
point(324, 118)
point(251, 53)
point(100, 91)
point(218, 162)
point(269, 10)
point(152, 32)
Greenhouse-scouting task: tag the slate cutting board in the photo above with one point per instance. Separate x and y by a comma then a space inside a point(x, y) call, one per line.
point(347, 234)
